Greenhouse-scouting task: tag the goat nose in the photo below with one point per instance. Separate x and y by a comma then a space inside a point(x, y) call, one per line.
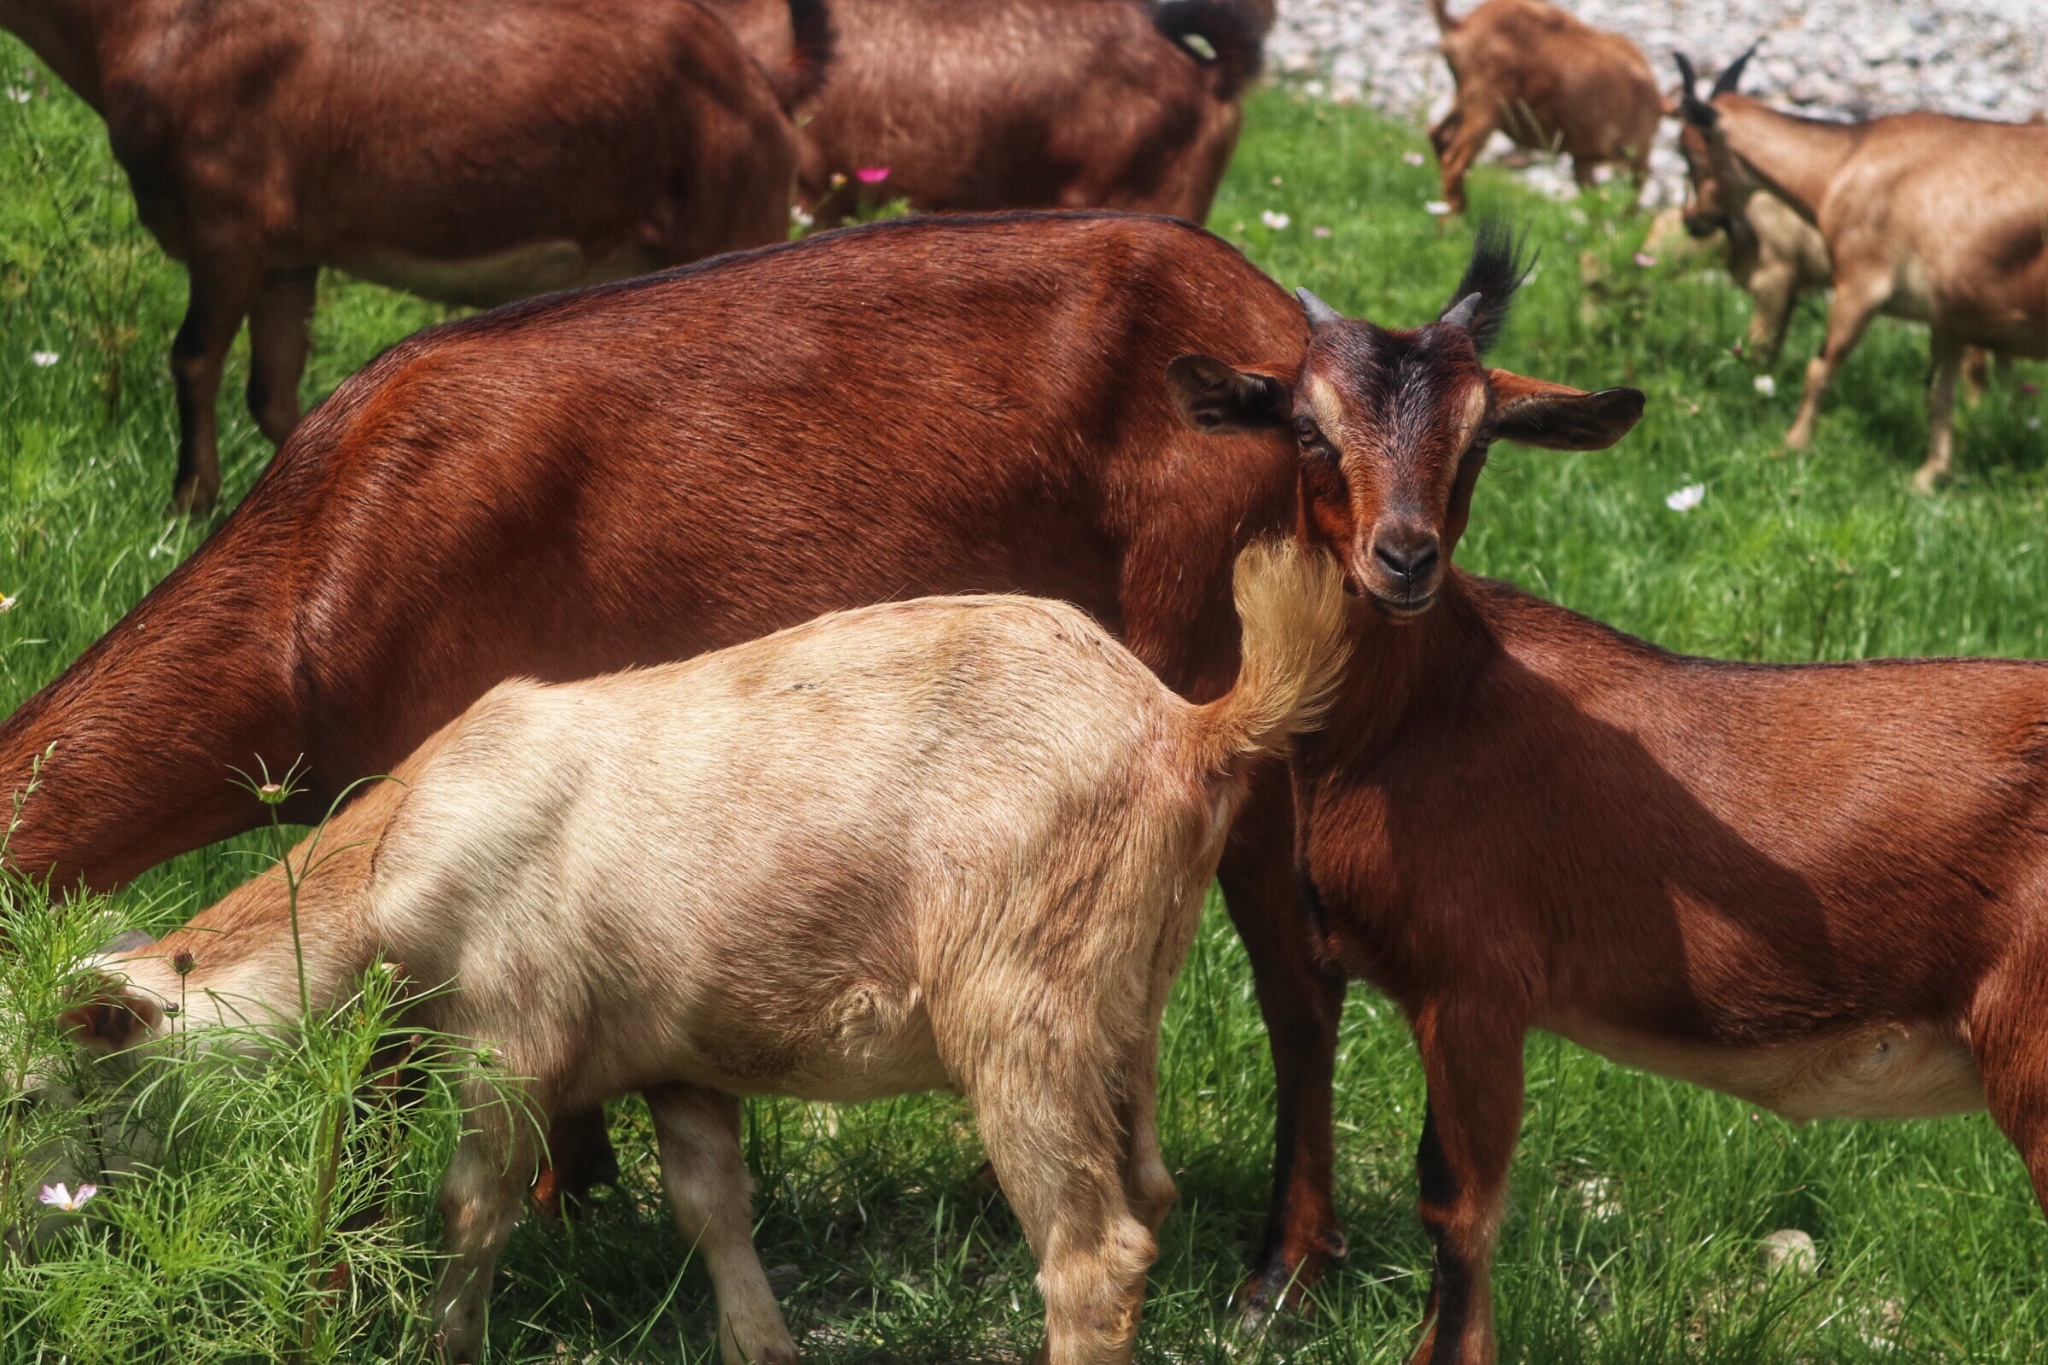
point(1407, 557)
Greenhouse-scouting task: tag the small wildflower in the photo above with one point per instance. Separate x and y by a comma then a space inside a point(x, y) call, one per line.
point(58, 1197)
point(1276, 182)
point(838, 179)
point(182, 962)
point(2030, 390)
point(270, 793)
point(7, 603)
point(1412, 158)
point(17, 94)
point(1686, 498)
point(43, 360)
point(1645, 259)
point(1736, 350)
point(2033, 424)
point(799, 217)
point(1275, 219)
point(1319, 231)
point(1767, 386)
point(871, 175)
point(1436, 208)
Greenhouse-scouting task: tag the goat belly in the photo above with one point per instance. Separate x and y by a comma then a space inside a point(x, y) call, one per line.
point(1883, 1070)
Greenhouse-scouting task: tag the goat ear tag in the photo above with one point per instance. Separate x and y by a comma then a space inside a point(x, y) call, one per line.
point(1558, 417)
point(1214, 397)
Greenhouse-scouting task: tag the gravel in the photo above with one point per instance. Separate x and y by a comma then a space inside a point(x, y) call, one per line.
point(1830, 58)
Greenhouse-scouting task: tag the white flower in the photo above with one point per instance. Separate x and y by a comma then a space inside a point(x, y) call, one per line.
point(1436, 208)
point(1412, 158)
point(1767, 386)
point(2033, 424)
point(17, 94)
point(7, 604)
point(1274, 220)
point(57, 1197)
point(1319, 231)
point(799, 217)
point(1686, 498)
point(42, 360)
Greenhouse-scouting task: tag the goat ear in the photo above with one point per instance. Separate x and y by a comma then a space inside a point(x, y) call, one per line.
point(114, 1019)
point(1214, 397)
point(1558, 417)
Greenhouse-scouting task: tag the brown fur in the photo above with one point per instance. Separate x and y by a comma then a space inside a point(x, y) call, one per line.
point(1548, 81)
point(991, 104)
point(1823, 887)
point(950, 843)
point(639, 473)
point(470, 152)
point(1937, 219)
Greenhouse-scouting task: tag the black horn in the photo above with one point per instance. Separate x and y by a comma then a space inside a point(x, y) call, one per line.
point(1320, 314)
point(1725, 83)
point(1691, 107)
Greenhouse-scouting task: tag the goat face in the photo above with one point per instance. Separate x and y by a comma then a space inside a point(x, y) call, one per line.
point(1711, 175)
point(1393, 427)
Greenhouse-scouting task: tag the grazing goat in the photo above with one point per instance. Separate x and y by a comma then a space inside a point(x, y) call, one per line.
point(973, 104)
point(1936, 219)
point(953, 843)
point(648, 470)
point(1549, 82)
point(469, 152)
point(1823, 888)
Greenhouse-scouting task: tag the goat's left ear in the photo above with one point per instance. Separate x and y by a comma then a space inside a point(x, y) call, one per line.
point(116, 1018)
point(1558, 417)
point(1214, 397)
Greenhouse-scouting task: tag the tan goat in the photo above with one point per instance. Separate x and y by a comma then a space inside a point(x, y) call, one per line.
point(1548, 81)
point(948, 843)
point(1926, 217)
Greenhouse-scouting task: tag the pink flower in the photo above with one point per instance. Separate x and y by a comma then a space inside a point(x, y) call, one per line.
point(1645, 259)
point(871, 175)
point(57, 1197)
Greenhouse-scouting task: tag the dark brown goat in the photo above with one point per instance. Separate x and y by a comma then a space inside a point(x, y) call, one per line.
point(992, 104)
point(470, 152)
point(1550, 82)
point(648, 470)
point(1822, 888)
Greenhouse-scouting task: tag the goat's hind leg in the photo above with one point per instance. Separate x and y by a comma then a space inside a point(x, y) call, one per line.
point(1946, 357)
point(1850, 310)
point(280, 335)
point(481, 1196)
point(221, 291)
point(707, 1182)
point(2009, 1038)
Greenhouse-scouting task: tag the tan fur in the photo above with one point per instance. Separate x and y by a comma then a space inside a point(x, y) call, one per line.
point(947, 843)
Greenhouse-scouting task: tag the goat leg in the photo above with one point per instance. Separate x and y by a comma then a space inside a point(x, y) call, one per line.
point(279, 338)
point(219, 299)
point(1854, 303)
point(1946, 354)
point(1472, 1059)
point(707, 1182)
point(1301, 1002)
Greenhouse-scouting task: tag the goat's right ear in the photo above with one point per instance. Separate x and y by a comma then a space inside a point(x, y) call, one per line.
point(115, 1018)
point(1214, 397)
point(1690, 107)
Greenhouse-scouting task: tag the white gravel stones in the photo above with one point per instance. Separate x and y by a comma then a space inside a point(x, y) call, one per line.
point(1838, 58)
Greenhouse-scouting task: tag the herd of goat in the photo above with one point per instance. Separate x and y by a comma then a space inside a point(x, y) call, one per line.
point(707, 781)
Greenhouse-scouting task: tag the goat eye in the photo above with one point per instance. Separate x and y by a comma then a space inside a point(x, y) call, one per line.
point(1306, 431)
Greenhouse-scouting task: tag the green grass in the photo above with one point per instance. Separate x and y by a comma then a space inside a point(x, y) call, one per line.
point(1638, 1202)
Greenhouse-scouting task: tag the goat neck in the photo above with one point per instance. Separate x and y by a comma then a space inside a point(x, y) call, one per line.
point(1795, 158)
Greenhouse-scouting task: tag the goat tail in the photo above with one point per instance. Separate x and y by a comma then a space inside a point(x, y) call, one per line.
point(1440, 10)
point(810, 52)
point(1290, 600)
point(1232, 31)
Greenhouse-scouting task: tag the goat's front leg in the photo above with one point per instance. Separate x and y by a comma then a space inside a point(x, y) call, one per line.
point(2011, 1048)
point(1772, 285)
point(481, 1197)
point(1946, 357)
point(1462, 143)
point(707, 1182)
point(1301, 1002)
point(1854, 303)
point(280, 335)
point(1472, 1059)
point(222, 289)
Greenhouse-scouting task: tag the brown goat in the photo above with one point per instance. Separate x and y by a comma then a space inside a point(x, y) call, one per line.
point(1936, 219)
point(643, 471)
point(1823, 888)
point(1551, 83)
point(992, 104)
point(469, 152)
point(955, 843)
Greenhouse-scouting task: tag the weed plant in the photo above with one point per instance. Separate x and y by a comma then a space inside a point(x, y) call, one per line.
point(1638, 1203)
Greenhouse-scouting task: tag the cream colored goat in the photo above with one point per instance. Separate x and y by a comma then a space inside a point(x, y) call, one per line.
point(954, 843)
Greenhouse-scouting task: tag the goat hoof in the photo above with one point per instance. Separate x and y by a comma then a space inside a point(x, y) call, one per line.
point(1925, 479)
point(1273, 1290)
